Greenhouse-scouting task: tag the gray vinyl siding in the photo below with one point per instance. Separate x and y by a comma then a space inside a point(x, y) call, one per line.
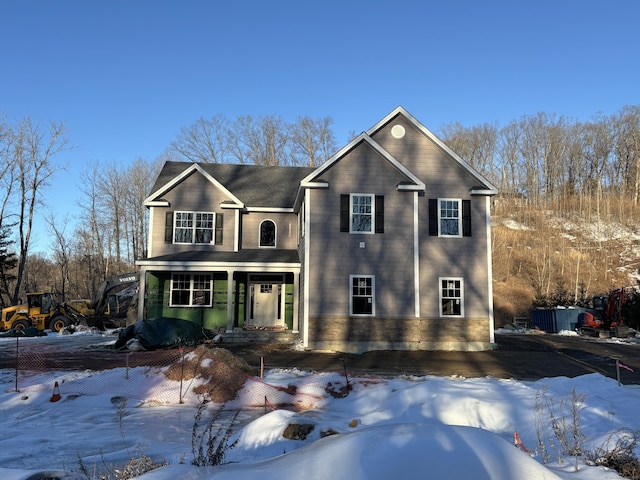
point(464, 257)
point(286, 229)
point(336, 255)
point(194, 193)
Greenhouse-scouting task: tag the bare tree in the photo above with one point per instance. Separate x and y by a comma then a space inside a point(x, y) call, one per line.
point(91, 232)
point(312, 141)
point(112, 189)
point(61, 252)
point(263, 141)
point(477, 145)
point(33, 152)
point(627, 149)
point(139, 179)
point(206, 140)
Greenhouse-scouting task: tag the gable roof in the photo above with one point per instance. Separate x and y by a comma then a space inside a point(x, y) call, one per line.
point(412, 182)
point(486, 187)
point(248, 186)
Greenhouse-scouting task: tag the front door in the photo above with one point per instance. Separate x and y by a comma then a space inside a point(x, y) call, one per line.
point(265, 307)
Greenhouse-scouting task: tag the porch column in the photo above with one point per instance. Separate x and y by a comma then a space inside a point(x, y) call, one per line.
point(229, 301)
point(296, 298)
point(142, 286)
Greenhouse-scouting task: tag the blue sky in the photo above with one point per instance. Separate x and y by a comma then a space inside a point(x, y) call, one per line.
point(125, 76)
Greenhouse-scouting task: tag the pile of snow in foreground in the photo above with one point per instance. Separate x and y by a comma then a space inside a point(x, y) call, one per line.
point(412, 427)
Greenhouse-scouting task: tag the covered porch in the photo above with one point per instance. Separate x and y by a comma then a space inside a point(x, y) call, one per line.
point(227, 292)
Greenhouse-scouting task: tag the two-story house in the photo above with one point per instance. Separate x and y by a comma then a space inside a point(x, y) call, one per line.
point(387, 245)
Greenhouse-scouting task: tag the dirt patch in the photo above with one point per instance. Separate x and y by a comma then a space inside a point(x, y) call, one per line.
point(222, 373)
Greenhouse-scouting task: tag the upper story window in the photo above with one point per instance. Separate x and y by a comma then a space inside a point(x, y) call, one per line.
point(449, 217)
point(267, 233)
point(362, 213)
point(194, 227)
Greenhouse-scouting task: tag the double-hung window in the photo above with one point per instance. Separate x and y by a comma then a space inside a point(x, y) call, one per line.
point(194, 227)
point(449, 217)
point(451, 297)
point(362, 213)
point(191, 290)
point(362, 298)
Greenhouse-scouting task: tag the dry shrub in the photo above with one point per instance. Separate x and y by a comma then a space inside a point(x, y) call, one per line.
point(222, 373)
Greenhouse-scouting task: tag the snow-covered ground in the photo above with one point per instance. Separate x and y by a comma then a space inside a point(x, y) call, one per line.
point(404, 427)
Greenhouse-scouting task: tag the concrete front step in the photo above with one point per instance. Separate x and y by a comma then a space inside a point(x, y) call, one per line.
point(260, 336)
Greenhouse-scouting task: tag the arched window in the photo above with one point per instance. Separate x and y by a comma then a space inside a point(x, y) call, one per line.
point(267, 234)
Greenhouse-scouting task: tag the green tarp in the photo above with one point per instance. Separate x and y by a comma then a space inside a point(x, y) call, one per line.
point(162, 332)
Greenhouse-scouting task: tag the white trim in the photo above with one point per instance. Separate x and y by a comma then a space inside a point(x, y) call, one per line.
point(416, 254)
point(236, 232)
point(269, 210)
point(306, 204)
point(491, 189)
point(373, 296)
point(195, 266)
point(150, 233)
point(459, 201)
point(455, 279)
point(489, 271)
point(158, 203)
point(185, 173)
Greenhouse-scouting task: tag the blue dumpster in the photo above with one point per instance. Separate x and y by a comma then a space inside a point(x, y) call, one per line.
point(554, 320)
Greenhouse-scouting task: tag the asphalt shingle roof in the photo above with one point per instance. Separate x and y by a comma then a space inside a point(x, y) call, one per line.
point(254, 185)
point(243, 256)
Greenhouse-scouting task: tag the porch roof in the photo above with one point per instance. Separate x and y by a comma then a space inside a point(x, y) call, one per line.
point(259, 257)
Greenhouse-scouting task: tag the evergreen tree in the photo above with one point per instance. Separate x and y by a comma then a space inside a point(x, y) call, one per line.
point(8, 264)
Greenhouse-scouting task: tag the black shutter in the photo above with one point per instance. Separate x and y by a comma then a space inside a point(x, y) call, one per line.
point(168, 227)
point(344, 213)
point(466, 218)
point(433, 217)
point(379, 213)
point(219, 228)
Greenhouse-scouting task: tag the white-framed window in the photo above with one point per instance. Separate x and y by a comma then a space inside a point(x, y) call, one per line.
point(363, 294)
point(267, 234)
point(191, 290)
point(451, 293)
point(449, 215)
point(362, 213)
point(194, 227)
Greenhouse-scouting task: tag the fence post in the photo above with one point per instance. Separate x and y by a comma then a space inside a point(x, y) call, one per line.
point(17, 356)
point(181, 373)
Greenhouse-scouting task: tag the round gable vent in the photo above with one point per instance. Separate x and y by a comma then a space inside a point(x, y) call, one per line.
point(397, 131)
